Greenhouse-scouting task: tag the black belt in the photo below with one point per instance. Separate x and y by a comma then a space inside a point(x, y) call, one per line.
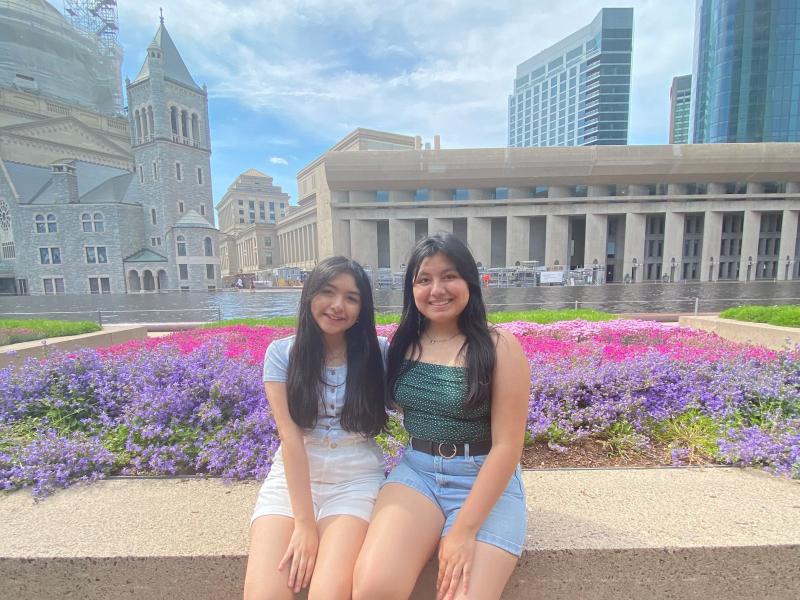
point(451, 449)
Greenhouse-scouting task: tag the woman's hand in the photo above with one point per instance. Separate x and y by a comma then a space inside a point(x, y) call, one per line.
point(301, 555)
point(456, 552)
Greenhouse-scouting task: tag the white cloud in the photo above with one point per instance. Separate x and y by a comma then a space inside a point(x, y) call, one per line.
point(414, 67)
point(277, 160)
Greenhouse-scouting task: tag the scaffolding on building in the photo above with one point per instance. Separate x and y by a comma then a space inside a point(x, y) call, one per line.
point(98, 21)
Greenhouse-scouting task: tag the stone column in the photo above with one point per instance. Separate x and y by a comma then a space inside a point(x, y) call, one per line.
point(479, 239)
point(676, 189)
point(594, 247)
point(712, 240)
point(440, 195)
point(401, 242)
point(674, 224)
point(439, 225)
point(750, 234)
point(341, 241)
point(362, 197)
point(593, 191)
point(364, 242)
point(788, 243)
point(558, 191)
point(478, 194)
point(635, 224)
point(402, 195)
point(556, 242)
point(518, 236)
point(519, 193)
point(638, 190)
point(716, 189)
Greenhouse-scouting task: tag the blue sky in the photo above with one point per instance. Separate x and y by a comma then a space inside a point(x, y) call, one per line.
point(287, 79)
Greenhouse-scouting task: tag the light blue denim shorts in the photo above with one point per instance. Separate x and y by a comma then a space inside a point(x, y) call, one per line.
point(448, 481)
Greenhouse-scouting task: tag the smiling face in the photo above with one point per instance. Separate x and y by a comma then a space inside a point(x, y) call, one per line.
point(336, 306)
point(440, 293)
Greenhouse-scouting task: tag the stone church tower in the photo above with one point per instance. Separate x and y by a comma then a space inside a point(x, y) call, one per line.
point(171, 143)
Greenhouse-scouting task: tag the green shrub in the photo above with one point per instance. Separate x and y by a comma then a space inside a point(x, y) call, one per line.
point(785, 316)
point(13, 331)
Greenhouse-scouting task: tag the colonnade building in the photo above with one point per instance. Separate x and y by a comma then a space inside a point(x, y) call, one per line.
point(637, 213)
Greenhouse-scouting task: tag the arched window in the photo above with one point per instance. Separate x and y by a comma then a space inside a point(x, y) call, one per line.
point(138, 126)
point(151, 126)
point(52, 225)
point(145, 130)
point(40, 226)
point(208, 246)
point(181, 245)
point(173, 119)
point(185, 123)
point(98, 222)
point(195, 127)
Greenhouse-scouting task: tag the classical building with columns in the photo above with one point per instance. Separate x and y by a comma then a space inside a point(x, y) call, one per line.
point(638, 213)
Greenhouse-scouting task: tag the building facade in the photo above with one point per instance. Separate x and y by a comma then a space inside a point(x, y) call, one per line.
point(247, 215)
point(94, 201)
point(577, 92)
point(680, 102)
point(636, 213)
point(746, 85)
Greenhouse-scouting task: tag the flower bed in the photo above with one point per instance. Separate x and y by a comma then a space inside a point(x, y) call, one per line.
point(193, 402)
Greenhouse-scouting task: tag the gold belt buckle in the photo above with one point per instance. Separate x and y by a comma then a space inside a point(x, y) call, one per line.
point(439, 449)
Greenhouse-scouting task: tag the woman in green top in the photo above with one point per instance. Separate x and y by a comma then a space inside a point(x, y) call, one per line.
point(463, 387)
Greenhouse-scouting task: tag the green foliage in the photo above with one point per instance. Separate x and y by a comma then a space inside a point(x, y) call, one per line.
point(532, 316)
point(765, 412)
point(550, 316)
point(394, 437)
point(13, 331)
point(785, 316)
point(623, 440)
point(692, 431)
point(114, 441)
point(554, 434)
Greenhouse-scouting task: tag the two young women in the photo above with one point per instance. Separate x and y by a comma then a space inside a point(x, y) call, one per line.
point(463, 390)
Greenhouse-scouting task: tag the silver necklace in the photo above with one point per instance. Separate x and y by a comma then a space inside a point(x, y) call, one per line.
point(442, 340)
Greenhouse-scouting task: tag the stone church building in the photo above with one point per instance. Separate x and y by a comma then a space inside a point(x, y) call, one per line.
point(94, 200)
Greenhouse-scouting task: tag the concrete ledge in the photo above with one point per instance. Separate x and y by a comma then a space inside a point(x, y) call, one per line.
point(769, 336)
point(110, 335)
point(605, 533)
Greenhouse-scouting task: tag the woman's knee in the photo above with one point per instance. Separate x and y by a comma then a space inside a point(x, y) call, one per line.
point(376, 585)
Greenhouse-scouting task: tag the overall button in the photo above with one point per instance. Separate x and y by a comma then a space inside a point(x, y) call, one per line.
point(333, 444)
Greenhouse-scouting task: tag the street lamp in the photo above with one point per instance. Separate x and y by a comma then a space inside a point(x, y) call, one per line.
point(635, 264)
point(672, 265)
point(788, 266)
point(711, 269)
point(749, 266)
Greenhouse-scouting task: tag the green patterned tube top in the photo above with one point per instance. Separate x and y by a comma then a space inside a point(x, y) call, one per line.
point(432, 399)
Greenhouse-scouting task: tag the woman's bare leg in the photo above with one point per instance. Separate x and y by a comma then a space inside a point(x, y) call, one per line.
point(491, 570)
point(340, 540)
point(269, 538)
point(402, 537)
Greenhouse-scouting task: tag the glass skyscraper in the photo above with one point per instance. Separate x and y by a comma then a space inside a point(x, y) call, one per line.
point(746, 84)
point(680, 96)
point(577, 92)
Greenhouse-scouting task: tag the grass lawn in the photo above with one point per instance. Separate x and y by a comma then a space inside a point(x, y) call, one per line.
point(785, 316)
point(531, 316)
point(13, 331)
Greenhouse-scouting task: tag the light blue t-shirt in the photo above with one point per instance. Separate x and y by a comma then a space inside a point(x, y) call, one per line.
point(331, 402)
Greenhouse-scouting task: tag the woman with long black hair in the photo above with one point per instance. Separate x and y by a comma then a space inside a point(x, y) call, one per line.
point(463, 388)
point(326, 388)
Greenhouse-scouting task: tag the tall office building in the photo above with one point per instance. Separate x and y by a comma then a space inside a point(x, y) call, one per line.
point(577, 92)
point(680, 101)
point(746, 84)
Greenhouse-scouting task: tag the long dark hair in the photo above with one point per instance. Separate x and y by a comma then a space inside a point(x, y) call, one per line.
point(480, 354)
point(365, 392)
